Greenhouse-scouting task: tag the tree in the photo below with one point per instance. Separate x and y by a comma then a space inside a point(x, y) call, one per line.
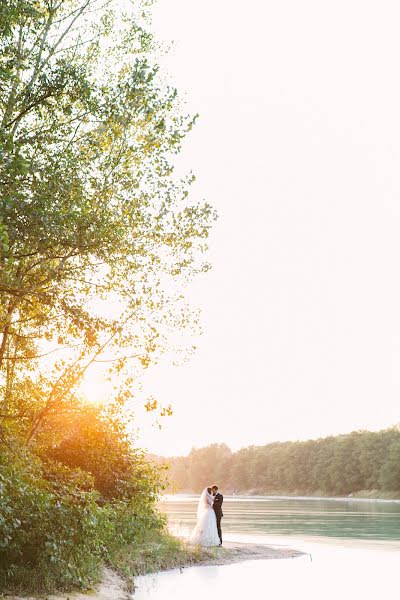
point(95, 441)
point(390, 474)
point(208, 466)
point(97, 238)
point(91, 214)
point(361, 460)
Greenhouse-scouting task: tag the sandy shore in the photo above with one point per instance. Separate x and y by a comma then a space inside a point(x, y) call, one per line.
point(113, 587)
point(232, 552)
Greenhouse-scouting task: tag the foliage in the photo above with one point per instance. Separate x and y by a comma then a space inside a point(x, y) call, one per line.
point(60, 520)
point(389, 476)
point(95, 440)
point(97, 238)
point(91, 213)
point(157, 551)
point(47, 539)
point(340, 465)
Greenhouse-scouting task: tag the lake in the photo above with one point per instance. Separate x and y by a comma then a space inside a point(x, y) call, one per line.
point(352, 550)
point(330, 517)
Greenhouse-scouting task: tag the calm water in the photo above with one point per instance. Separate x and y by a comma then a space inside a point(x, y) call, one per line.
point(355, 519)
point(352, 551)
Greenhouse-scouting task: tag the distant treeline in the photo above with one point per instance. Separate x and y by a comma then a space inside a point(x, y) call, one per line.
point(341, 465)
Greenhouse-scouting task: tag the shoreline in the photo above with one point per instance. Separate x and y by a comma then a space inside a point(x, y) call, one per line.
point(114, 587)
point(286, 496)
point(234, 552)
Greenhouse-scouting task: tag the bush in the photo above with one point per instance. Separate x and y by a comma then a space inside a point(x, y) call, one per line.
point(95, 442)
point(48, 539)
point(80, 496)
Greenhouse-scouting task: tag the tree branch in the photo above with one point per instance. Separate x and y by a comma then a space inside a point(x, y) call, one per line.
point(37, 102)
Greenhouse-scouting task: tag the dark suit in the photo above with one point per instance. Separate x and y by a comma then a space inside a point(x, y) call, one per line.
point(217, 506)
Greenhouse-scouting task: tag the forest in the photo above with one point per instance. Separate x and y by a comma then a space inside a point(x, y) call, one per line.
point(97, 237)
point(360, 463)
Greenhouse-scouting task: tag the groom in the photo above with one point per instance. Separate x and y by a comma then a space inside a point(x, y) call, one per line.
point(218, 500)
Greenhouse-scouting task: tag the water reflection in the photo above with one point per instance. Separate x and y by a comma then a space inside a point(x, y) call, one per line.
point(335, 573)
point(362, 562)
point(356, 519)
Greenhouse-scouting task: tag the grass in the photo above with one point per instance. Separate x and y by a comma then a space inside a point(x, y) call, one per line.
point(159, 551)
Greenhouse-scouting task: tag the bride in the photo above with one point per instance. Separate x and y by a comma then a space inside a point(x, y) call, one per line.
point(205, 533)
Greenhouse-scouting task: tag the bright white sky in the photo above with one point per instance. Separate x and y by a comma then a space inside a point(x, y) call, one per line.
point(298, 147)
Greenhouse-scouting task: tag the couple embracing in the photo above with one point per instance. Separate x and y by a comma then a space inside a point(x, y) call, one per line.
point(209, 513)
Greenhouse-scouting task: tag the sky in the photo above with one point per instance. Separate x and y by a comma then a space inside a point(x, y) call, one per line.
point(298, 148)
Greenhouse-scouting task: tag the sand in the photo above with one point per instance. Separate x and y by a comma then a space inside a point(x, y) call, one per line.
point(233, 552)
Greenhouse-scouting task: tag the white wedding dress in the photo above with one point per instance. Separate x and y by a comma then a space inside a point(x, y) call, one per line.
point(205, 533)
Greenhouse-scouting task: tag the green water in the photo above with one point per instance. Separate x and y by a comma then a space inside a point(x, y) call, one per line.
point(331, 518)
point(351, 550)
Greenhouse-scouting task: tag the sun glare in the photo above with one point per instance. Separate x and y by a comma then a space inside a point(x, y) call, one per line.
point(95, 388)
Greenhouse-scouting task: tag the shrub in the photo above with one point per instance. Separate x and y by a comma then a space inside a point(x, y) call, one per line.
point(48, 539)
point(56, 529)
point(97, 443)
